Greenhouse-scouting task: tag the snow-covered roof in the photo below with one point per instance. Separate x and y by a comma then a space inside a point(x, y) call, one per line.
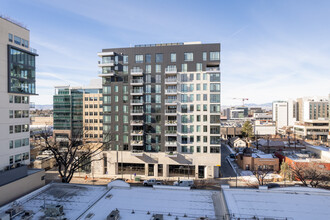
point(290, 202)
point(97, 202)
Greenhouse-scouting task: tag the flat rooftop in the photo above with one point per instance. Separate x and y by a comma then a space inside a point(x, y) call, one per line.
point(97, 202)
point(279, 203)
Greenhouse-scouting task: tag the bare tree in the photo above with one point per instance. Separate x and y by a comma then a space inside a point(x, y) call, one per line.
point(71, 153)
point(261, 174)
point(311, 173)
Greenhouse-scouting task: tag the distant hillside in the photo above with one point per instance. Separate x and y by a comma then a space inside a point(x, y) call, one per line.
point(44, 107)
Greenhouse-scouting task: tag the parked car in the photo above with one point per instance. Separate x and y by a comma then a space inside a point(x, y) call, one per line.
point(186, 183)
point(151, 182)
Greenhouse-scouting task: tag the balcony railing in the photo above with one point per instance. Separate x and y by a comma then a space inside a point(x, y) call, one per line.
point(133, 111)
point(137, 152)
point(136, 81)
point(171, 153)
point(137, 122)
point(171, 122)
point(170, 79)
point(140, 132)
point(170, 91)
point(106, 63)
point(212, 69)
point(171, 101)
point(32, 50)
point(136, 71)
point(170, 143)
point(133, 142)
point(170, 111)
point(136, 91)
point(107, 73)
point(136, 101)
point(170, 131)
point(170, 70)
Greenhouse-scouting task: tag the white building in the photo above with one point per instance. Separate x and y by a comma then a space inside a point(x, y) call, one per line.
point(284, 113)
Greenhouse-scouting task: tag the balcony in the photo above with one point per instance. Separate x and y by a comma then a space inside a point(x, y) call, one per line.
point(170, 70)
point(136, 82)
point(171, 91)
point(171, 81)
point(136, 143)
point(171, 122)
point(136, 102)
point(137, 132)
point(137, 122)
point(171, 101)
point(171, 143)
point(136, 112)
point(137, 153)
point(106, 73)
point(170, 133)
point(136, 72)
point(101, 54)
point(136, 91)
point(108, 63)
point(212, 69)
point(170, 112)
point(171, 154)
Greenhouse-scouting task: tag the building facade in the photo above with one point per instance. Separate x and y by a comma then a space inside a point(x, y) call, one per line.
point(312, 108)
point(78, 113)
point(17, 84)
point(161, 108)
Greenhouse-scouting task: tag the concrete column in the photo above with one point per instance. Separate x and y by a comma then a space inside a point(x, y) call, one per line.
point(196, 171)
point(166, 169)
point(146, 169)
point(156, 170)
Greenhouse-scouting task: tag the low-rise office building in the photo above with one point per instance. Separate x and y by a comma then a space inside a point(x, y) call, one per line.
point(251, 159)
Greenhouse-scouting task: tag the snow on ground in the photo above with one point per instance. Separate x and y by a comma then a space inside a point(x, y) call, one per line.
point(193, 203)
point(291, 202)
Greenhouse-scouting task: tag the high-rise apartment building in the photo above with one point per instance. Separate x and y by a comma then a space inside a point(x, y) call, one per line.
point(161, 107)
point(284, 113)
point(78, 113)
point(312, 108)
point(17, 74)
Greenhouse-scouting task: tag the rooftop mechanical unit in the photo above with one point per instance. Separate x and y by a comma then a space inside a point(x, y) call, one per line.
point(114, 215)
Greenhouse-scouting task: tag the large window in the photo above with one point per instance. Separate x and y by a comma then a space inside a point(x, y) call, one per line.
point(21, 72)
point(139, 58)
point(215, 98)
point(159, 58)
point(215, 87)
point(214, 55)
point(148, 58)
point(188, 57)
point(125, 59)
point(173, 57)
point(215, 77)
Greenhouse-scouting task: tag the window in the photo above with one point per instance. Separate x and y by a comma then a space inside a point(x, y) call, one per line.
point(116, 98)
point(18, 143)
point(188, 56)
point(158, 98)
point(215, 108)
point(125, 59)
point(148, 68)
point(158, 89)
point(10, 37)
point(17, 40)
point(159, 58)
point(215, 119)
point(158, 79)
point(198, 87)
point(138, 58)
point(148, 98)
point(204, 139)
point(173, 57)
point(215, 87)
point(148, 78)
point(198, 118)
point(11, 99)
point(198, 107)
point(204, 56)
point(214, 55)
point(204, 76)
point(184, 67)
point(204, 97)
point(215, 98)
point(11, 114)
point(204, 86)
point(148, 88)
point(199, 67)
point(205, 149)
point(198, 76)
point(18, 99)
point(215, 77)
point(148, 58)
point(205, 128)
point(125, 119)
point(204, 107)
point(158, 68)
point(125, 69)
point(11, 144)
point(204, 118)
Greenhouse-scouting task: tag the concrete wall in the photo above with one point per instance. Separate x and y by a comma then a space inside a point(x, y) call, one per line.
point(21, 187)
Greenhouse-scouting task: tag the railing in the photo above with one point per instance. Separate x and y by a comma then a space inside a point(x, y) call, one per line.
point(137, 151)
point(171, 100)
point(212, 69)
point(32, 50)
point(170, 70)
point(171, 153)
point(171, 91)
point(107, 72)
point(170, 142)
point(136, 90)
point(170, 79)
point(107, 62)
point(136, 101)
point(136, 142)
point(136, 71)
point(137, 132)
point(171, 122)
point(136, 121)
point(170, 131)
point(170, 111)
point(137, 111)
point(137, 81)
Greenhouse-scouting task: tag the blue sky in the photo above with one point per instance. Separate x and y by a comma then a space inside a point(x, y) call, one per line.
point(270, 50)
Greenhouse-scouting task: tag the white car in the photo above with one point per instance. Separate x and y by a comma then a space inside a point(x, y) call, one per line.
point(186, 183)
point(151, 182)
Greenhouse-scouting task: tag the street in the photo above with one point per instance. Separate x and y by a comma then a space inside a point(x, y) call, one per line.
point(226, 169)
